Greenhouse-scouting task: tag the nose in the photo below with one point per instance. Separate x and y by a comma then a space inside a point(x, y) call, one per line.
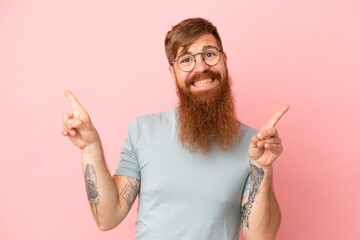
point(200, 65)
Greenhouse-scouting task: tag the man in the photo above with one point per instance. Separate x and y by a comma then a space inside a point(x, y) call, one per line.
point(199, 172)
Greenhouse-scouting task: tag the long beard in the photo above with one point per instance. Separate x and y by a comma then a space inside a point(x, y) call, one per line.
point(204, 122)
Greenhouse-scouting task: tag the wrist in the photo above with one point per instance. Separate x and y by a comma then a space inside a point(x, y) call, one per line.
point(268, 170)
point(265, 168)
point(91, 138)
point(92, 148)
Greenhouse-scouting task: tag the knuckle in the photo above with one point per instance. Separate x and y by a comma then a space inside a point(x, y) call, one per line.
point(79, 122)
point(264, 132)
point(66, 117)
point(274, 130)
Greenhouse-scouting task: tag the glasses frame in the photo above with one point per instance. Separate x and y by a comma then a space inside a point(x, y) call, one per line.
point(194, 56)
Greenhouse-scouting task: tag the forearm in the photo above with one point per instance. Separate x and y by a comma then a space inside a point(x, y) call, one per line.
point(101, 189)
point(261, 212)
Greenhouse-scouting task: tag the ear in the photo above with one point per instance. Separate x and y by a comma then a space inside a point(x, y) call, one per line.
point(225, 57)
point(172, 72)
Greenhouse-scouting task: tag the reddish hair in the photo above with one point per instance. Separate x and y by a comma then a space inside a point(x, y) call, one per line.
point(185, 33)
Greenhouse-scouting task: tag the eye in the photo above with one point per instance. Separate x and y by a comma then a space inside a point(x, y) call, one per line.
point(209, 54)
point(185, 60)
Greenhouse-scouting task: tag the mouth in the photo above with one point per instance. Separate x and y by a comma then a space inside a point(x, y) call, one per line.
point(203, 82)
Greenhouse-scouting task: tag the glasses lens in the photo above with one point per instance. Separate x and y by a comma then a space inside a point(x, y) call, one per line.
point(211, 56)
point(186, 62)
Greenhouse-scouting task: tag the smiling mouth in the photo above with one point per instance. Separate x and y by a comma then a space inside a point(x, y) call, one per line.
point(203, 82)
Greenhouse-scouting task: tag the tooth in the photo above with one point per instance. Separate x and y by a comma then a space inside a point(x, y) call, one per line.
point(202, 82)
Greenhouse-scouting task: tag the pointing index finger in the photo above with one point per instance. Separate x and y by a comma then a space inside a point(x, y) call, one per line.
point(75, 104)
point(277, 116)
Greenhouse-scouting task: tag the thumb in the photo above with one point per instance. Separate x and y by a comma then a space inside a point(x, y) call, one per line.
point(253, 142)
point(254, 150)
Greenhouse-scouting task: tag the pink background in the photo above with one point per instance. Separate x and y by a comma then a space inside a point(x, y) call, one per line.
point(110, 54)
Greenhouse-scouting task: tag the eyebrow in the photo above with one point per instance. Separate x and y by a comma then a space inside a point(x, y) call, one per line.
point(203, 48)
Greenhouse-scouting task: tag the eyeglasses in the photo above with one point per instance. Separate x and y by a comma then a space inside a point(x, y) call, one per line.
point(211, 56)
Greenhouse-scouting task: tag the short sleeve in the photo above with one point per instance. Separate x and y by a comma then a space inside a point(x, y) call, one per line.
point(248, 135)
point(128, 164)
point(246, 191)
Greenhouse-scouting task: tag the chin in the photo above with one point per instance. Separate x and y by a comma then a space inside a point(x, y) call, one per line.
point(205, 96)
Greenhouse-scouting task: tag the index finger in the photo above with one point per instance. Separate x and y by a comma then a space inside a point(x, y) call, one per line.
point(277, 116)
point(75, 104)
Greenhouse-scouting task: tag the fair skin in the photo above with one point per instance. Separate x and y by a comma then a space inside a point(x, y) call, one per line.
point(111, 198)
point(261, 220)
point(264, 216)
point(198, 46)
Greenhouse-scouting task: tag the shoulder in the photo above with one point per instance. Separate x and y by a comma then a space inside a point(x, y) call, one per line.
point(154, 118)
point(247, 129)
point(247, 132)
point(154, 128)
point(153, 121)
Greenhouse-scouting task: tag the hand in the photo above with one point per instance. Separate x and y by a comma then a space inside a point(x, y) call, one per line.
point(77, 124)
point(266, 147)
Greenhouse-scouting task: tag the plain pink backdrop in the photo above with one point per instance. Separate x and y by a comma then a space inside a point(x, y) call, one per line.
point(110, 54)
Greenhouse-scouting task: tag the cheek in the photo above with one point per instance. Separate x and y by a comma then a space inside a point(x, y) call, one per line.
point(223, 72)
point(181, 78)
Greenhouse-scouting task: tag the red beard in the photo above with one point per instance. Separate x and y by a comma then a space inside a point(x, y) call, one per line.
point(208, 117)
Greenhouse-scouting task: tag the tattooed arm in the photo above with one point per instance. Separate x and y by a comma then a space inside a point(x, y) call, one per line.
point(260, 211)
point(110, 198)
point(261, 214)
point(128, 188)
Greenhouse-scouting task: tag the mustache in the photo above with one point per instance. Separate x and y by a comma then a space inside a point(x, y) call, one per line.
point(203, 75)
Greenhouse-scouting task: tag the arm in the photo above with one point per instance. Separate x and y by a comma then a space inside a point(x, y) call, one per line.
point(109, 198)
point(261, 213)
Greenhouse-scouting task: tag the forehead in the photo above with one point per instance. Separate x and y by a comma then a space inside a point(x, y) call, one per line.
point(198, 45)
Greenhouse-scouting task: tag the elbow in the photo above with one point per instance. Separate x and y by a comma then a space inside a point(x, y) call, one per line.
point(107, 225)
point(105, 228)
point(107, 222)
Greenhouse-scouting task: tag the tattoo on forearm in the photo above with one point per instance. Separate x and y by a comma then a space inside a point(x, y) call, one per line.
point(130, 191)
point(257, 176)
point(91, 187)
